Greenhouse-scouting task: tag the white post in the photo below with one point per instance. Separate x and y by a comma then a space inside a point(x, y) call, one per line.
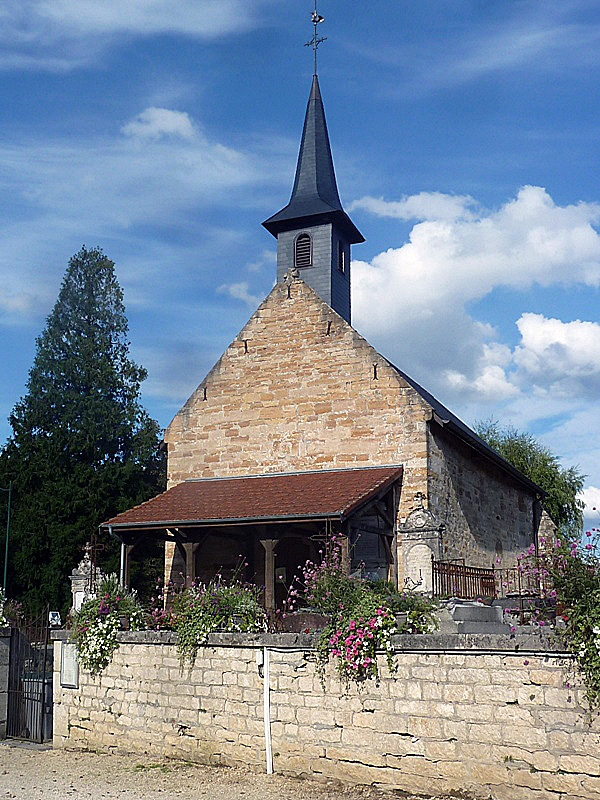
point(267, 709)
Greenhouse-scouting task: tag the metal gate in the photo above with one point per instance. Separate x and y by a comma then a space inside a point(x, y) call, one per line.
point(30, 682)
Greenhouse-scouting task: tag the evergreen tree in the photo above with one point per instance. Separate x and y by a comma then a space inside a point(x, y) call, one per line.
point(82, 447)
point(563, 485)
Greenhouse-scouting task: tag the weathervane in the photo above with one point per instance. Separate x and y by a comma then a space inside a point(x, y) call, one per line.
point(316, 40)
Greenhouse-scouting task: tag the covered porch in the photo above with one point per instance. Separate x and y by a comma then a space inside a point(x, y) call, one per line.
point(265, 527)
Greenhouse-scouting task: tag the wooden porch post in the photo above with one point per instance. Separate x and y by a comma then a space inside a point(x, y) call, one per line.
point(345, 545)
point(269, 545)
point(190, 551)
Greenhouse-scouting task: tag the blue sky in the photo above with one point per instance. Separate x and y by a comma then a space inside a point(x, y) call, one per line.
point(466, 137)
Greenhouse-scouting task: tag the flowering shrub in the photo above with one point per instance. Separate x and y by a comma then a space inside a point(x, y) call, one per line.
point(161, 615)
point(353, 640)
point(569, 578)
point(3, 619)
point(218, 605)
point(96, 624)
point(362, 614)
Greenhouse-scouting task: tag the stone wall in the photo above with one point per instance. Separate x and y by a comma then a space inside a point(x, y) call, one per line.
point(486, 716)
point(4, 659)
point(488, 517)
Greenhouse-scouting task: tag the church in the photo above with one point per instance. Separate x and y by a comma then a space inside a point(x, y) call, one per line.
point(302, 430)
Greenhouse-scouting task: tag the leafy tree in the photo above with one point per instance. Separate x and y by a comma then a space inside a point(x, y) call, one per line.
point(82, 447)
point(562, 485)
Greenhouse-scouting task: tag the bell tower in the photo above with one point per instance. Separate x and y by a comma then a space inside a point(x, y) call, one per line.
point(313, 231)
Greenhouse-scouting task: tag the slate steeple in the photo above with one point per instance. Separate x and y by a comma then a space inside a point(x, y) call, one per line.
point(313, 231)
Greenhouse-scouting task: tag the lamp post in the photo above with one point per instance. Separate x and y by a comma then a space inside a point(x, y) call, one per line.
point(9, 490)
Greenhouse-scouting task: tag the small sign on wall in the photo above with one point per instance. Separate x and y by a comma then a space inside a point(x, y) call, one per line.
point(69, 666)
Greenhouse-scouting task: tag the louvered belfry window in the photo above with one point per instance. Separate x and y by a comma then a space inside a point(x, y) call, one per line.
point(303, 251)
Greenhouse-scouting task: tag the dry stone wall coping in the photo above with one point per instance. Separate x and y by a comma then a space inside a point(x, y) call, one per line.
point(542, 642)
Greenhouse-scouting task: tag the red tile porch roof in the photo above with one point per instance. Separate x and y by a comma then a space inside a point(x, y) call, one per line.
point(298, 495)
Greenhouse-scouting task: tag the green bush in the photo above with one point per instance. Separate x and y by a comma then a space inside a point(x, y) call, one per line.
point(216, 606)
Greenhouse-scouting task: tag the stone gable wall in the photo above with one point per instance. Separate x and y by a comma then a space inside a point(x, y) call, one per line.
point(297, 390)
point(482, 719)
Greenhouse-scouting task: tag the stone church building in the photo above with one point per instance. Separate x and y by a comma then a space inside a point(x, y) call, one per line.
point(301, 428)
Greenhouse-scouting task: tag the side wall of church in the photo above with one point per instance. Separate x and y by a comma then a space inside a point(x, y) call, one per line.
point(299, 389)
point(488, 517)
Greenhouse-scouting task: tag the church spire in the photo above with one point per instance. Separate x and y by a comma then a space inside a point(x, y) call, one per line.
point(315, 191)
point(313, 231)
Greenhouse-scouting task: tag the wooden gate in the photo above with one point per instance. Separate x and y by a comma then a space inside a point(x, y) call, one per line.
point(30, 682)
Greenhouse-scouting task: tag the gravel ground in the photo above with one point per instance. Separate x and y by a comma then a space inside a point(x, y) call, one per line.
point(33, 772)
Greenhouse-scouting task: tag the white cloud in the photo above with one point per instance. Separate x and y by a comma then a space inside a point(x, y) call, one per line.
point(490, 381)
point(540, 42)
point(123, 180)
point(32, 32)
point(413, 303)
point(153, 123)
point(267, 259)
point(67, 192)
point(542, 37)
point(425, 205)
point(528, 240)
point(203, 18)
point(239, 291)
point(553, 353)
point(458, 254)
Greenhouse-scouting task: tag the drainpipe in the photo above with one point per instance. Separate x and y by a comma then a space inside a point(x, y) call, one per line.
point(264, 670)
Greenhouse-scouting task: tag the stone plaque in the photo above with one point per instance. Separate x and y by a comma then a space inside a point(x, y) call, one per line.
point(69, 666)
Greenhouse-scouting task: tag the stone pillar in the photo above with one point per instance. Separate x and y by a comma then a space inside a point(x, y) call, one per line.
point(419, 539)
point(80, 581)
point(4, 659)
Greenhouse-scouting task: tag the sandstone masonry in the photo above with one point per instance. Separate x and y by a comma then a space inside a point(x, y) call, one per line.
point(487, 716)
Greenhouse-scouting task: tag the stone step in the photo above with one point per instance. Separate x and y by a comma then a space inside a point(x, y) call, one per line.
point(484, 623)
point(482, 627)
point(477, 613)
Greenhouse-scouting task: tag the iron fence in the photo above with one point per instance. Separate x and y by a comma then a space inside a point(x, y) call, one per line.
point(456, 579)
point(30, 682)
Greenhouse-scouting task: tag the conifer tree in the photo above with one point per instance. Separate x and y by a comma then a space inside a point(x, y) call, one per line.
point(82, 447)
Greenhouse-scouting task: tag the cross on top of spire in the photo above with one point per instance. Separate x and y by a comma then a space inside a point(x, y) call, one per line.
point(316, 40)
